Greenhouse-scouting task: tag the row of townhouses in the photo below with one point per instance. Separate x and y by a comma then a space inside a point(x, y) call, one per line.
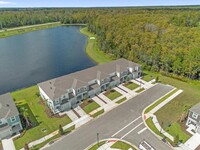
point(68, 91)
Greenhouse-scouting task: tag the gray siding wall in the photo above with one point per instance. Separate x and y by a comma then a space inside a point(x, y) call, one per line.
point(190, 116)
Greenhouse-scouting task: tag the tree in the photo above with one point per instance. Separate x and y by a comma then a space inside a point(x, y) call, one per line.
point(26, 147)
point(25, 114)
point(61, 131)
point(176, 139)
point(127, 79)
point(157, 78)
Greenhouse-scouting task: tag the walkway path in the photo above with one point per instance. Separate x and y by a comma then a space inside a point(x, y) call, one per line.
point(31, 26)
point(98, 101)
point(119, 90)
point(106, 99)
point(154, 119)
point(125, 88)
point(192, 143)
point(71, 115)
point(8, 144)
point(80, 111)
point(159, 106)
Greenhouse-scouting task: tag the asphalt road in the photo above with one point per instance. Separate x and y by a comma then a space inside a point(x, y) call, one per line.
point(111, 124)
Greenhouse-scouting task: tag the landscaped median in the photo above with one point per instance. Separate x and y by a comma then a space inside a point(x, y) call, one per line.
point(39, 116)
point(98, 113)
point(112, 144)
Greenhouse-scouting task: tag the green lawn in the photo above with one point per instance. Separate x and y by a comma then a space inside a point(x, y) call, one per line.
point(175, 129)
point(90, 107)
point(54, 138)
point(28, 29)
point(121, 100)
point(92, 51)
point(148, 77)
point(112, 94)
point(122, 145)
point(160, 101)
point(172, 111)
point(95, 147)
point(131, 85)
point(140, 90)
point(151, 125)
point(29, 98)
point(98, 113)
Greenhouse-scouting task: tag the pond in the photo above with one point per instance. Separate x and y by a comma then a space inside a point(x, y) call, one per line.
point(33, 57)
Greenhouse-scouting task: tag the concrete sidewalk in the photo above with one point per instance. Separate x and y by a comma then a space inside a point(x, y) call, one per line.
point(192, 143)
point(80, 111)
point(8, 144)
point(166, 101)
point(98, 101)
point(125, 88)
point(156, 123)
point(120, 91)
point(106, 99)
point(71, 115)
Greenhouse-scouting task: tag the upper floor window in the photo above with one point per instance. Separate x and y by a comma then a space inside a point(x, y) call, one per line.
point(194, 115)
point(13, 119)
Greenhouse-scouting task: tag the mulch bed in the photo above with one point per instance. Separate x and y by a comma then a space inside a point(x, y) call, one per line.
point(108, 92)
point(85, 103)
point(48, 112)
point(127, 83)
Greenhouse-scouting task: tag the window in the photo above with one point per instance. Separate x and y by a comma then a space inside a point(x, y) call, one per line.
point(13, 119)
point(194, 115)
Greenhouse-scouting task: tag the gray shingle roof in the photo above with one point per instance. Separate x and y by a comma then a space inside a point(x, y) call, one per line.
point(196, 108)
point(54, 88)
point(7, 106)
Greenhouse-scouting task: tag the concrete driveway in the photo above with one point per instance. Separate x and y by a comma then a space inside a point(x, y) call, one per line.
point(123, 122)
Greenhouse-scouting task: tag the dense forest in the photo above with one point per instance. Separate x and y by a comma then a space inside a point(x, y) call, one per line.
point(166, 40)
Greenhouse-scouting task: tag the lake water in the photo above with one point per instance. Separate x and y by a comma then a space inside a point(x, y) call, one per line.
point(37, 56)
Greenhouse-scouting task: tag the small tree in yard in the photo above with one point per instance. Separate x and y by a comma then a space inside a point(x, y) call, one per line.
point(157, 78)
point(26, 147)
point(61, 132)
point(25, 114)
point(127, 79)
point(176, 139)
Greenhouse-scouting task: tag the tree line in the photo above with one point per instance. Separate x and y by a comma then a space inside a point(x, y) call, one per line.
point(161, 39)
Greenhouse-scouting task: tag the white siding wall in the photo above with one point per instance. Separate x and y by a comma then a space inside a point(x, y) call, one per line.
point(43, 94)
